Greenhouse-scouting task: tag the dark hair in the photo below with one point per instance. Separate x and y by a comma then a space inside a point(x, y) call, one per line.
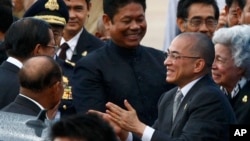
point(206, 48)
point(242, 4)
point(6, 18)
point(88, 3)
point(184, 5)
point(87, 127)
point(111, 7)
point(23, 36)
point(41, 77)
point(229, 2)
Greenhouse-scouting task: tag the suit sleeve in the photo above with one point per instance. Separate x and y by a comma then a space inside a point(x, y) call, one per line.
point(88, 91)
point(202, 119)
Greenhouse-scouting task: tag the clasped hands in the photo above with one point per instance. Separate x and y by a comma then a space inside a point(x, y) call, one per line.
point(123, 121)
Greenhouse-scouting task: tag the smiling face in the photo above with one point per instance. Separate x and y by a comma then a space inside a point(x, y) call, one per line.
point(181, 70)
point(224, 71)
point(128, 26)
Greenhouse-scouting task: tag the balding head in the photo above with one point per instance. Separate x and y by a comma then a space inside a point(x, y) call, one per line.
point(201, 45)
point(39, 73)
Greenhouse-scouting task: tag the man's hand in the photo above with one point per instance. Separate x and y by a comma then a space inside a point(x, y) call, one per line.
point(126, 119)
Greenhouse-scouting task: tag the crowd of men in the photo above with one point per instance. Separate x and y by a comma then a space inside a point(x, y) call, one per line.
point(194, 90)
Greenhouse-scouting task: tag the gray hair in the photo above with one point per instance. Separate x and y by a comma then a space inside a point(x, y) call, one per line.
point(237, 39)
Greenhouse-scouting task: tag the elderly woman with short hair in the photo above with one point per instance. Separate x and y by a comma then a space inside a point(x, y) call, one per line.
point(231, 68)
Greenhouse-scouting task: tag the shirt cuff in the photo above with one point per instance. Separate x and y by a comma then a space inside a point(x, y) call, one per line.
point(130, 137)
point(147, 134)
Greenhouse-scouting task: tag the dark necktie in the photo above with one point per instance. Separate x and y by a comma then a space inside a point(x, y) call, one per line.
point(64, 47)
point(177, 101)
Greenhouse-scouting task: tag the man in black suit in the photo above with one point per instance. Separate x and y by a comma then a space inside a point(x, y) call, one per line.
point(122, 69)
point(78, 39)
point(41, 88)
point(25, 38)
point(203, 112)
point(79, 43)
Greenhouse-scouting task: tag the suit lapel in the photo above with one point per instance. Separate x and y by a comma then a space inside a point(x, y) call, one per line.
point(81, 47)
point(187, 100)
point(27, 103)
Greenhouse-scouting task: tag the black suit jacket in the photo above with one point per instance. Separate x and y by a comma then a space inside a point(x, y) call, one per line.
point(114, 73)
point(9, 83)
point(3, 55)
point(241, 105)
point(204, 115)
point(86, 43)
point(22, 105)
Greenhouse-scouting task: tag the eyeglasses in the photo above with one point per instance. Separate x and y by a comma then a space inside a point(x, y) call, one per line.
point(177, 56)
point(54, 47)
point(197, 22)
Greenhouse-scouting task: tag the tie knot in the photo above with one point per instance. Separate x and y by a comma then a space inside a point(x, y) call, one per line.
point(64, 46)
point(178, 96)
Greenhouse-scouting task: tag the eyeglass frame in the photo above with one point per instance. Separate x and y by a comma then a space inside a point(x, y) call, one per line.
point(172, 55)
point(201, 22)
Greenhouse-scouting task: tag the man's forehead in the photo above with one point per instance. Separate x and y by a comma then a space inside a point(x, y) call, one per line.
point(201, 10)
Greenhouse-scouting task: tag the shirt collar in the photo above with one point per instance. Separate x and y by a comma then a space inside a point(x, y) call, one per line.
point(187, 87)
point(14, 61)
point(73, 41)
point(39, 105)
point(239, 85)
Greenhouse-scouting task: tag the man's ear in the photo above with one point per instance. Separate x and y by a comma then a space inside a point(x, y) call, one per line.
point(199, 65)
point(106, 21)
point(181, 24)
point(37, 50)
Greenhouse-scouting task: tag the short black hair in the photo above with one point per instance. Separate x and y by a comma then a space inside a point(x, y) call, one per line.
point(111, 7)
point(242, 4)
point(5, 15)
point(87, 127)
point(184, 5)
point(23, 36)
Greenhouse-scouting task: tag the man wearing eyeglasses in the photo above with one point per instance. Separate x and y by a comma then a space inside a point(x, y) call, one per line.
point(203, 114)
point(230, 14)
point(25, 38)
point(197, 16)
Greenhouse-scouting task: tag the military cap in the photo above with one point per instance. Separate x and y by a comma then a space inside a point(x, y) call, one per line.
point(52, 11)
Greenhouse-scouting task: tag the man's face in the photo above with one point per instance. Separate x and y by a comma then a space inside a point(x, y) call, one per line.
point(245, 15)
point(180, 63)
point(201, 18)
point(58, 33)
point(233, 14)
point(49, 49)
point(78, 13)
point(128, 26)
